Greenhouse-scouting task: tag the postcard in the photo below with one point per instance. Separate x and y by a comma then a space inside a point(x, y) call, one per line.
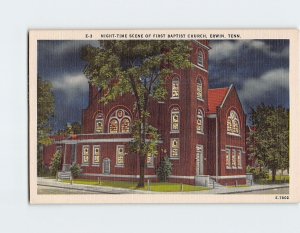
point(164, 116)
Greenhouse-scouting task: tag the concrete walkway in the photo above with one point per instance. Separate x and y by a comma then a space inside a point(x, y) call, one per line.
point(112, 190)
point(91, 188)
point(245, 190)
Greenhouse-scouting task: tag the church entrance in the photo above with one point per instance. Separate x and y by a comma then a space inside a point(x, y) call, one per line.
point(199, 160)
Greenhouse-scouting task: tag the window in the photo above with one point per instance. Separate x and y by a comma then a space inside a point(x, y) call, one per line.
point(199, 122)
point(200, 61)
point(175, 120)
point(106, 166)
point(96, 155)
point(120, 155)
point(99, 123)
point(228, 161)
point(233, 124)
point(174, 148)
point(150, 161)
point(233, 158)
point(239, 159)
point(125, 125)
point(85, 154)
point(175, 88)
point(119, 122)
point(199, 89)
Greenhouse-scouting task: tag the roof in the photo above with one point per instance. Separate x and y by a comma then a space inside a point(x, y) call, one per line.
point(216, 98)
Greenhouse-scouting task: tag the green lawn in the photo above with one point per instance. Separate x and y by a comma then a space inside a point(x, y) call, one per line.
point(278, 180)
point(156, 187)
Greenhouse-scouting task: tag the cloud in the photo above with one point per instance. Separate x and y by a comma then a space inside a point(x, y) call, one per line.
point(65, 47)
point(269, 83)
point(227, 49)
point(72, 86)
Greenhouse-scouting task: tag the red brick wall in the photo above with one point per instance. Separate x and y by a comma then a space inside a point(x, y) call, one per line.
point(232, 103)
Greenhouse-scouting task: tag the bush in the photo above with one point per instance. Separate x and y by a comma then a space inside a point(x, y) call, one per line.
point(75, 170)
point(258, 173)
point(55, 163)
point(165, 169)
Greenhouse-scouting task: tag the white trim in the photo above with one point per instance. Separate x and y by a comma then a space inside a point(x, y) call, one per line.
point(121, 165)
point(183, 177)
point(234, 134)
point(226, 95)
point(211, 115)
point(202, 45)
point(98, 140)
point(116, 175)
point(82, 155)
point(93, 155)
point(174, 157)
point(230, 177)
point(200, 68)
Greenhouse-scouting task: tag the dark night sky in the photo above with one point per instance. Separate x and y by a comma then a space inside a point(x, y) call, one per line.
point(259, 69)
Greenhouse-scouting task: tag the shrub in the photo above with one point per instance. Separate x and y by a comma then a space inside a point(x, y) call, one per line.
point(258, 173)
point(55, 162)
point(165, 169)
point(75, 170)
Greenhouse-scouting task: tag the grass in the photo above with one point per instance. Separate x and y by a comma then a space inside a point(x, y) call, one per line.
point(278, 180)
point(156, 187)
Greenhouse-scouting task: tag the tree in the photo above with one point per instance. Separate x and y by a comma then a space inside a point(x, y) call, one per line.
point(55, 162)
point(139, 68)
point(45, 110)
point(165, 169)
point(269, 141)
point(73, 128)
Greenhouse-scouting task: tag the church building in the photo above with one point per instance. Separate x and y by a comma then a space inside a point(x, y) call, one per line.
point(202, 132)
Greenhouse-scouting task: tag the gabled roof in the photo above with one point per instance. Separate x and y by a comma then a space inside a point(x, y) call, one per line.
point(215, 98)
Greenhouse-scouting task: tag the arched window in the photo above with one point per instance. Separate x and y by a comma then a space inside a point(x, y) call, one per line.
point(233, 123)
point(175, 88)
point(199, 89)
point(175, 120)
point(125, 125)
point(99, 123)
point(200, 60)
point(119, 122)
point(199, 126)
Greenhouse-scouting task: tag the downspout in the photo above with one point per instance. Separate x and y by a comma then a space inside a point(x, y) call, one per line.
point(217, 150)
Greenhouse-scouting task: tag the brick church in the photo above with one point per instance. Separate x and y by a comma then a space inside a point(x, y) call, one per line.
point(202, 132)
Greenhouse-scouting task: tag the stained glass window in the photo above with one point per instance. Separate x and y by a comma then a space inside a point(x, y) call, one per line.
point(113, 126)
point(200, 58)
point(175, 119)
point(96, 155)
point(125, 125)
point(120, 155)
point(233, 124)
point(239, 158)
point(150, 160)
point(174, 148)
point(228, 161)
point(233, 158)
point(199, 122)
point(199, 89)
point(99, 124)
point(175, 87)
point(85, 154)
point(119, 122)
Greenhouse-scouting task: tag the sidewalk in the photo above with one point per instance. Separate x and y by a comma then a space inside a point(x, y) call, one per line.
point(91, 188)
point(112, 190)
point(236, 190)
